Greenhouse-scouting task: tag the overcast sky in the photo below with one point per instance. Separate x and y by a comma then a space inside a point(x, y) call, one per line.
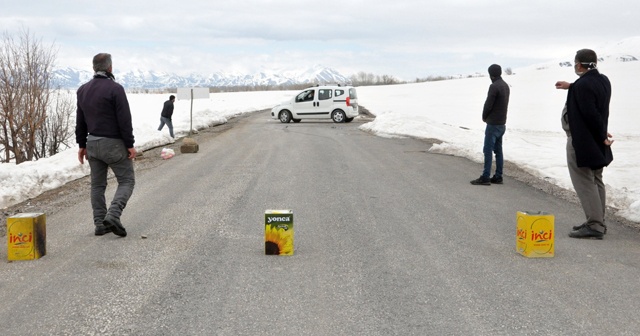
point(402, 38)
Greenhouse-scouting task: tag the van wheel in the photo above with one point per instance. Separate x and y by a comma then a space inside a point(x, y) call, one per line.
point(296, 120)
point(348, 119)
point(284, 116)
point(338, 116)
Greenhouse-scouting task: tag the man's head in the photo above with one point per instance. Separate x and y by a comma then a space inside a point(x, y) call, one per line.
point(586, 59)
point(102, 62)
point(172, 97)
point(495, 71)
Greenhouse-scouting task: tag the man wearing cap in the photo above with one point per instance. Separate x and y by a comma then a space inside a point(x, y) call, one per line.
point(494, 115)
point(585, 119)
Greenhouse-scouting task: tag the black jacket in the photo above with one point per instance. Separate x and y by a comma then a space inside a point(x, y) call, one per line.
point(497, 103)
point(167, 109)
point(103, 110)
point(588, 112)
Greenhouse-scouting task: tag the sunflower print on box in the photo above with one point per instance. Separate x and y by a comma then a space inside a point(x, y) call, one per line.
point(278, 232)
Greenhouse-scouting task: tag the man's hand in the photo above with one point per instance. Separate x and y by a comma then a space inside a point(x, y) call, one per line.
point(82, 154)
point(608, 141)
point(562, 85)
point(132, 153)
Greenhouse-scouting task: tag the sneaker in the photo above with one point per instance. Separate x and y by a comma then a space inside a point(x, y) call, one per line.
point(496, 180)
point(115, 226)
point(586, 232)
point(578, 227)
point(481, 181)
point(102, 230)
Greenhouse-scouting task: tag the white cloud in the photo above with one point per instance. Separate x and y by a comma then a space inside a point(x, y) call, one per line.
point(403, 38)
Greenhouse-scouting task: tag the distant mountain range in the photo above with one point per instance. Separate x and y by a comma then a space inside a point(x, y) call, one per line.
point(69, 78)
point(626, 50)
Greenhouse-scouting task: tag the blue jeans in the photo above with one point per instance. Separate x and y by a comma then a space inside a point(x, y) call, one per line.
point(493, 144)
point(167, 121)
point(103, 154)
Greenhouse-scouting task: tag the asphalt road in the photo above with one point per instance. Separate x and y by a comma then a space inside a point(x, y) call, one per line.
point(389, 240)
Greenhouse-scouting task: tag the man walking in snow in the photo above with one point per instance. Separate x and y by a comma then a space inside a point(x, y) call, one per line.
point(585, 119)
point(165, 116)
point(495, 115)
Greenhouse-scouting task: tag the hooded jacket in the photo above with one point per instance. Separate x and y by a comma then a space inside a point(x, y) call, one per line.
point(495, 107)
point(103, 111)
point(588, 113)
point(167, 109)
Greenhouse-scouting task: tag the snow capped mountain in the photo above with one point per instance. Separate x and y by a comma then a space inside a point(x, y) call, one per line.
point(626, 50)
point(72, 78)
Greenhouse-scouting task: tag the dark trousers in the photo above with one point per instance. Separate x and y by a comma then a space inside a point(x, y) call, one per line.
point(493, 144)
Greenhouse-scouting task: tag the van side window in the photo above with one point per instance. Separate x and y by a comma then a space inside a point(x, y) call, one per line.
point(305, 96)
point(324, 94)
point(339, 92)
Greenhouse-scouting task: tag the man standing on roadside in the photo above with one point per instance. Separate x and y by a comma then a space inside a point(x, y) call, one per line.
point(585, 119)
point(495, 115)
point(104, 133)
point(165, 116)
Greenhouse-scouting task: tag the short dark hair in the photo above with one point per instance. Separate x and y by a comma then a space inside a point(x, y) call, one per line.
point(172, 97)
point(587, 58)
point(101, 62)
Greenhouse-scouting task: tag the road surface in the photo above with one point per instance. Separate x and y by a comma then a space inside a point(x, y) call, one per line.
point(389, 240)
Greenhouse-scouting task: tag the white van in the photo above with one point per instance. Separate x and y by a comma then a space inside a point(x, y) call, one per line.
point(339, 103)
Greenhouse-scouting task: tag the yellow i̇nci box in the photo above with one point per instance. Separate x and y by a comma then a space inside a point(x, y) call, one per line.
point(534, 234)
point(278, 232)
point(26, 236)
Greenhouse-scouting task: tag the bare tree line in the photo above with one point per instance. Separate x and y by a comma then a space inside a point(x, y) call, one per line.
point(239, 88)
point(366, 79)
point(34, 118)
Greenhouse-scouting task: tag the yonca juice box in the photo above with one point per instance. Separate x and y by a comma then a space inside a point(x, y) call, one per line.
point(278, 232)
point(26, 236)
point(534, 234)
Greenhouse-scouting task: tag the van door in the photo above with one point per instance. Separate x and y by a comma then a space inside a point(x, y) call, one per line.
point(304, 104)
point(325, 103)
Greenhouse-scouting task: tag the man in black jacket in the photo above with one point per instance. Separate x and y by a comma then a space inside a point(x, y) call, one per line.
point(104, 133)
point(494, 114)
point(165, 116)
point(586, 118)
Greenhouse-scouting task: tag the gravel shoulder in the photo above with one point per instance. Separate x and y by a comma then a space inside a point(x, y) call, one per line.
point(58, 199)
point(52, 201)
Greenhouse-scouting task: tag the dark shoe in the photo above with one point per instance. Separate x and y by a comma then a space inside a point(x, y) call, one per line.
point(586, 232)
point(481, 181)
point(102, 230)
point(115, 226)
point(578, 227)
point(496, 180)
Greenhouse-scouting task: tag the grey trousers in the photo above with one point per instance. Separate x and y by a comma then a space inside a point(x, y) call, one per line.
point(589, 188)
point(169, 123)
point(105, 153)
